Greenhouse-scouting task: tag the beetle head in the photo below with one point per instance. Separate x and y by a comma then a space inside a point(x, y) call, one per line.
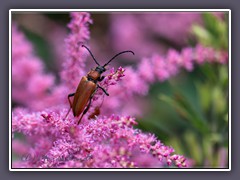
point(100, 69)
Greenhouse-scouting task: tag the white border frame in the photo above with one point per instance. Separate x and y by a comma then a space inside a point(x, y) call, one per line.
point(115, 10)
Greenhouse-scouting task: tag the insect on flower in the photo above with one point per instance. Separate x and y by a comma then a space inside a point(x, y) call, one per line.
point(87, 88)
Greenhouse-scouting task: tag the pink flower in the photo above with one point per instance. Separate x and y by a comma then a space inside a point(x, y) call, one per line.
point(73, 67)
point(203, 54)
point(173, 59)
point(160, 68)
point(145, 70)
point(30, 83)
point(107, 142)
point(187, 59)
point(140, 35)
point(20, 147)
point(20, 47)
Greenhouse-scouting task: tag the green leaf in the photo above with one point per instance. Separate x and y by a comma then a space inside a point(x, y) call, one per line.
point(223, 76)
point(205, 96)
point(211, 23)
point(207, 150)
point(202, 35)
point(194, 145)
point(185, 109)
point(213, 33)
point(219, 101)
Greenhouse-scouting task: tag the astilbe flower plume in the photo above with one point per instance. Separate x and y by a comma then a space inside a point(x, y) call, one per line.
point(164, 67)
point(76, 58)
point(29, 79)
point(108, 142)
point(139, 26)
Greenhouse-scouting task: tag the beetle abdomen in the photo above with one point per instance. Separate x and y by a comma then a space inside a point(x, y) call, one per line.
point(84, 91)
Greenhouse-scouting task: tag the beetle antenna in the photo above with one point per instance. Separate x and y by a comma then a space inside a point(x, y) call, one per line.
point(91, 54)
point(116, 56)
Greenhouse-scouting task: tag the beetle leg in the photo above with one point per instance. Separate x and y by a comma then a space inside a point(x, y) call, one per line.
point(86, 109)
point(103, 90)
point(101, 78)
point(70, 95)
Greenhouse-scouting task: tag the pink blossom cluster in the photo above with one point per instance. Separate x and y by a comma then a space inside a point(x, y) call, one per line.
point(108, 142)
point(160, 68)
point(30, 82)
point(144, 37)
point(73, 67)
point(110, 80)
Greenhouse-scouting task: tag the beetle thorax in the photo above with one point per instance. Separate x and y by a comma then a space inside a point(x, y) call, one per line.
point(93, 75)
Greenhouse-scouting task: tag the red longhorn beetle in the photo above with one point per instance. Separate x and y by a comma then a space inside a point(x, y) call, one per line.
point(87, 87)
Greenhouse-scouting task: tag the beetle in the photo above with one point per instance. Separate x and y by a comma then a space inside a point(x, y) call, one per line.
point(87, 87)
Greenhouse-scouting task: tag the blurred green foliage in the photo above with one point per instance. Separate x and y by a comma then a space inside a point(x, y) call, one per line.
point(191, 111)
point(214, 33)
